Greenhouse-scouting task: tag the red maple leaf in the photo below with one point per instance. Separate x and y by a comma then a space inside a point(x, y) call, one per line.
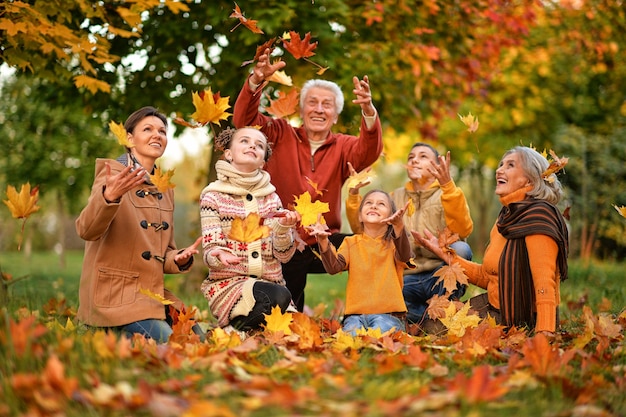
point(299, 48)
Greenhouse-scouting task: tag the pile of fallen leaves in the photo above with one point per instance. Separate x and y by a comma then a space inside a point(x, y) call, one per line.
point(302, 365)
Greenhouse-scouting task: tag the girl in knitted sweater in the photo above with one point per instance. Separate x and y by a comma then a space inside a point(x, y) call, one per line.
point(375, 260)
point(245, 279)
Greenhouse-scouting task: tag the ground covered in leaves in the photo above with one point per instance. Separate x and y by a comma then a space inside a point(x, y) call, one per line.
point(302, 365)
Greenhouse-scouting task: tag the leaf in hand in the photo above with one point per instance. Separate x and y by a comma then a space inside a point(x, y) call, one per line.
point(446, 238)
point(309, 210)
point(248, 229)
point(285, 105)
point(299, 48)
point(162, 180)
point(450, 275)
point(120, 133)
point(260, 50)
point(470, 121)
point(210, 108)
point(249, 23)
point(154, 296)
point(360, 179)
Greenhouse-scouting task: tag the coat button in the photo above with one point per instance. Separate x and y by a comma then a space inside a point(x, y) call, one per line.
point(249, 197)
point(255, 254)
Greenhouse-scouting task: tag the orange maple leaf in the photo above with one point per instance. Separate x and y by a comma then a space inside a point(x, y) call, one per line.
point(120, 133)
point(285, 105)
point(480, 386)
point(308, 330)
point(437, 305)
point(183, 321)
point(22, 204)
point(309, 210)
point(278, 322)
point(556, 164)
point(162, 180)
point(299, 48)
point(249, 23)
point(360, 179)
point(451, 275)
point(315, 186)
point(248, 229)
point(544, 359)
point(260, 50)
point(470, 121)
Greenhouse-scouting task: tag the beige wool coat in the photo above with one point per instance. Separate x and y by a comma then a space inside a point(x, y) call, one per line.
point(122, 240)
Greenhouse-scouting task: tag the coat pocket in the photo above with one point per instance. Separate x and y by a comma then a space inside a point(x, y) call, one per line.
point(115, 287)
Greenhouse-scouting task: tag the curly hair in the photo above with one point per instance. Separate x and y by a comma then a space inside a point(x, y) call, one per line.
point(225, 137)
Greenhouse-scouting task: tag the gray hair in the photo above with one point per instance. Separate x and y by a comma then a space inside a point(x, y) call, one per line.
point(534, 165)
point(327, 85)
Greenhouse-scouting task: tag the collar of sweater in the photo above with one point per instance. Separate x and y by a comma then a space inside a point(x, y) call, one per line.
point(515, 196)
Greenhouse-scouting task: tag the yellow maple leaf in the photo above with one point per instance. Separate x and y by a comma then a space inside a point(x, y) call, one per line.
point(210, 108)
point(450, 275)
point(309, 210)
point(457, 321)
point(281, 77)
point(120, 133)
point(621, 210)
point(248, 229)
point(162, 180)
point(470, 121)
point(278, 322)
point(345, 341)
point(92, 84)
point(360, 179)
point(155, 296)
point(24, 203)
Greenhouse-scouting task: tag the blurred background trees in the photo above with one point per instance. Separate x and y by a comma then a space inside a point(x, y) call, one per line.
point(546, 74)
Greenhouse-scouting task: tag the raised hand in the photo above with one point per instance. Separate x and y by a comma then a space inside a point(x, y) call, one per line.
point(290, 218)
point(441, 171)
point(396, 219)
point(354, 188)
point(430, 242)
point(364, 95)
point(119, 184)
point(264, 69)
point(183, 257)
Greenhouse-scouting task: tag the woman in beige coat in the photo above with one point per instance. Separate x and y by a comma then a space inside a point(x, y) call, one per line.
point(128, 228)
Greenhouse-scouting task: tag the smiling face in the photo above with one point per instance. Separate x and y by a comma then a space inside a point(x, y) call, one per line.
point(510, 175)
point(375, 207)
point(417, 164)
point(319, 113)
point(149, 138)
point(246, 151)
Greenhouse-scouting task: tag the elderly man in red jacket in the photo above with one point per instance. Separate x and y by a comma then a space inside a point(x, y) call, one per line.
point(311, 153)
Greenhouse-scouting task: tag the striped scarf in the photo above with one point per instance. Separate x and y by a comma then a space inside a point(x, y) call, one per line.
point(515, 222)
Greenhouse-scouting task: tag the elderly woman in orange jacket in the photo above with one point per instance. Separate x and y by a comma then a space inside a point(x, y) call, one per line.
point(128, 228)
point(526, 258)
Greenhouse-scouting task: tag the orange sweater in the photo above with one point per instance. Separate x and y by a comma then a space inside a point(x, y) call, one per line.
point(542, 255)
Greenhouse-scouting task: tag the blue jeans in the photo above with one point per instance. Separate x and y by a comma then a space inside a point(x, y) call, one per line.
point(418, 288)
point(159, 330)
point(384, 322)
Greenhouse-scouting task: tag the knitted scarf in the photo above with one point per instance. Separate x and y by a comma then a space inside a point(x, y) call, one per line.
point(231, 181)
point(515, 222)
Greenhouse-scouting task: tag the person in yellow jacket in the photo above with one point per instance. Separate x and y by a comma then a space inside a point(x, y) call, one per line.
point(438, 204)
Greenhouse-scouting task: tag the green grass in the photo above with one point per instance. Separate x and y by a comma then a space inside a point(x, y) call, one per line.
point(598, 285)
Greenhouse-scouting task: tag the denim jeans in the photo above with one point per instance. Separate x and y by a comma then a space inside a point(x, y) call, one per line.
point(384, 322)
point(418, 288)
point(159, 330)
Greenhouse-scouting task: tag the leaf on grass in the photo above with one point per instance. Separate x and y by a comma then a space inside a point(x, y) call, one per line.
point(451, 275)
point(480, 386)
point(24, 203)
point(162, 180)
point(457, 321)
point(120, 133)
point(299, 48)
point(278, 322)
point(285, 105)
point(470, 121)
point(621, 210)
point(154, 296)
point(544, 359)
point(437, 305)
point(249, 229)
point(309, 210)
point(249, 23)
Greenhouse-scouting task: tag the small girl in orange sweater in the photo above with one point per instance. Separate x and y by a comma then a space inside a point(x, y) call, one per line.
point(375, 260)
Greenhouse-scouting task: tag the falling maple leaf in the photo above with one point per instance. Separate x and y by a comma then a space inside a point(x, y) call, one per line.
point(281, 77)
point(621, 210)
point(249, 23)
point(248, 229)
point(309, 210)
point(210, 108)
point(285, 105)
point(299, 48)
point(450, 276)
point(457, 321)
point(556, 164)
point(162, 180)
point(260, 50)
point(120, 133)
point(155, 296)
point(315, 186)
point(470, 121)
point(278, 322)
point(22, 204)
